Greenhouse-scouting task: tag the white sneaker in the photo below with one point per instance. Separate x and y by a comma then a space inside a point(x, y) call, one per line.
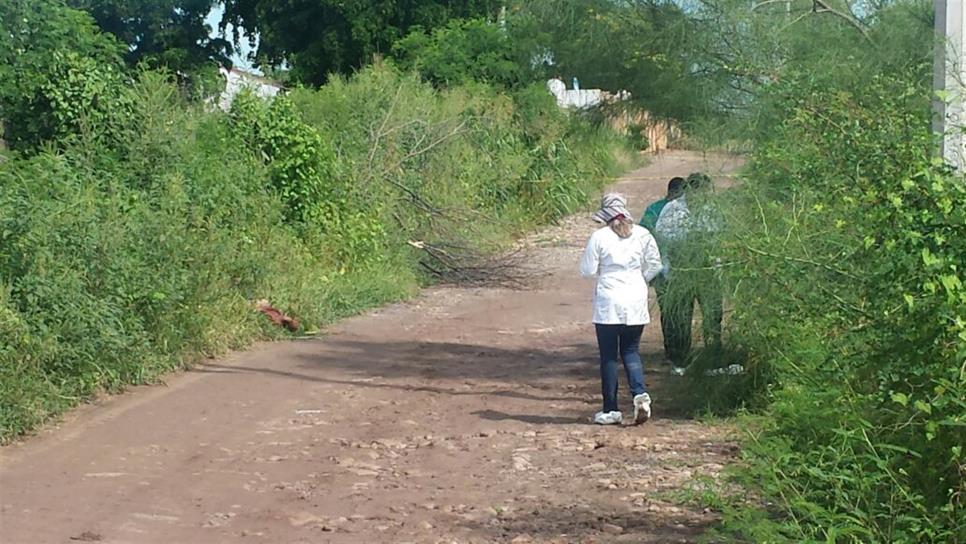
point(608, 418)
point(642, 408)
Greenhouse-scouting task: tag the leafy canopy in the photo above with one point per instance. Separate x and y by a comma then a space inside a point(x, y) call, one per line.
point(637, 46)
point(57, 72)
point(464, 50)
point(168, 33)
point(319, 37)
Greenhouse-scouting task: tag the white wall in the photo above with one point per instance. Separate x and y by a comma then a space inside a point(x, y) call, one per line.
point(949, 77)
point(237, 81)
point(582, 98)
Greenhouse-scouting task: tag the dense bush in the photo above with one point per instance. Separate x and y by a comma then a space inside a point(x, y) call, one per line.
point(474, 163)
point(324, 37)
point(464, 51)
point(842, 261)
point(123, 257)
point(845, 254)
point(300, 161)
point(58, 75)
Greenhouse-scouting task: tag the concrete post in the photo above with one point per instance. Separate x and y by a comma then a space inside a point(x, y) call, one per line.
point(948, 79)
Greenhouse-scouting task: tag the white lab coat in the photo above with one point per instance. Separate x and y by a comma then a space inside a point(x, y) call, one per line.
point(623, 267)
point(676, 223)
point(675, 220)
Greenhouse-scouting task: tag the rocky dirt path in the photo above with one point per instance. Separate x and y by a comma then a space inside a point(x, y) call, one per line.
point(462, 416)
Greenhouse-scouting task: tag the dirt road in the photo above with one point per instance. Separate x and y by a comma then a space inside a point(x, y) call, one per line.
point(462, 416)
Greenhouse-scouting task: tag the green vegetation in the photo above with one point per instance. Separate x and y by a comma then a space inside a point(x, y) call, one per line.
point(58, 74)
point(644, 47)
point(160, 33)
point(463, 51)
point(317, 38)
point(137, 228)
point(846, 252)
point(843, 259)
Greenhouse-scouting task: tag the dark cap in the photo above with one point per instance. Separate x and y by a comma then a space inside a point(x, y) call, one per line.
point(699, 180)
point(675, 187)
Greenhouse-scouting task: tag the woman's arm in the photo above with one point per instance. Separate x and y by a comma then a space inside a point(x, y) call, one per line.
point(590, 262)
point(652, 259)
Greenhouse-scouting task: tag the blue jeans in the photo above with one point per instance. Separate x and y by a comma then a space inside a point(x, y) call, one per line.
point(625, 341)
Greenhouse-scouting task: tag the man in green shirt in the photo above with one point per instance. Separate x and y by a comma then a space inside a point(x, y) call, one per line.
point(675, 188)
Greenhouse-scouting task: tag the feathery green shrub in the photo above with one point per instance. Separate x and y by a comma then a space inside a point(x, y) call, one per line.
point(844, 253)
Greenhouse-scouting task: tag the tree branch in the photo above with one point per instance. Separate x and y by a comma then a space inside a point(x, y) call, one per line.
point(822, 6)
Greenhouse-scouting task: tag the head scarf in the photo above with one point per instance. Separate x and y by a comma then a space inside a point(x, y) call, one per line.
point(612, 205)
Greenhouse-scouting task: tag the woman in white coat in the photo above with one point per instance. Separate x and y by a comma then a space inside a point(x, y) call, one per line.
point(624, 258)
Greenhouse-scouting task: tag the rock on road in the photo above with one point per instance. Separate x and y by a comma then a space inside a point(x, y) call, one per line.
point(460, 416)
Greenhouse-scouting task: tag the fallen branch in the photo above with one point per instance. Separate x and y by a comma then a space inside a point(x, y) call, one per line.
point(457, 264)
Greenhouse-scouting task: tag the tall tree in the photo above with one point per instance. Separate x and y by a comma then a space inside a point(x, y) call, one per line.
point(473, 49)
point(57, 71)
point(711, 59)
point(640, 46)
point(319, 37)
point(169, 33)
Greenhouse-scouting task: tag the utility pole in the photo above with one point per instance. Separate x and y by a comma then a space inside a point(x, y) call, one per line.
point(949, 76)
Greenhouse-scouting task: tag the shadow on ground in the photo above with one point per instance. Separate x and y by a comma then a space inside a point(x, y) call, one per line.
point(563, 374)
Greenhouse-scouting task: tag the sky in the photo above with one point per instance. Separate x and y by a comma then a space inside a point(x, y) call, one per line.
point(240, 58)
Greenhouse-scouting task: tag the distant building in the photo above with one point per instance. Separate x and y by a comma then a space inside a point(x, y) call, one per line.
point(660, 133)
point(581, 98)
point(238, 80)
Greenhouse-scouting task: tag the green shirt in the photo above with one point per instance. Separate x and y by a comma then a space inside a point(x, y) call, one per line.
point(649, 220)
